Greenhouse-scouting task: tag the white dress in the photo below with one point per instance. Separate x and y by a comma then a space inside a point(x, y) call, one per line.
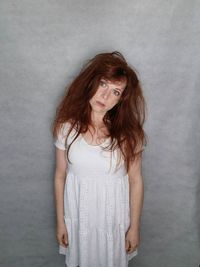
point(96, 206)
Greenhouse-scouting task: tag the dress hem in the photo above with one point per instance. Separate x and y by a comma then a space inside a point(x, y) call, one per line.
point(63, 251)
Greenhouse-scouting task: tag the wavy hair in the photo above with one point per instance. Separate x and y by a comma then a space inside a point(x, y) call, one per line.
point(124, 121)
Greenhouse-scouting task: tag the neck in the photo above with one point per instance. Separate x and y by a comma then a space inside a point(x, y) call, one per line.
point(97, 118)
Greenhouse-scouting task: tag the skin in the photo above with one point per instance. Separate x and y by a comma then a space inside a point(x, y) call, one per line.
point(136, 197)
point(109, 94)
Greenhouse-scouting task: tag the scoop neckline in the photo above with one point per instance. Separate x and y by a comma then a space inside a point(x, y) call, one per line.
point(93, 145)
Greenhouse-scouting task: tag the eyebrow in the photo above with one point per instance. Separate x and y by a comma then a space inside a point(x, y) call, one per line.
point(118, 89)
point(102, 79)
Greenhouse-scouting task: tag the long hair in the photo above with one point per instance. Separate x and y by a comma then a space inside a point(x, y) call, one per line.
point(124, 121)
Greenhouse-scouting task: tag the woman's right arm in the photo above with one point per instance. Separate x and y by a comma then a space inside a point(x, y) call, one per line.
point(59, 183)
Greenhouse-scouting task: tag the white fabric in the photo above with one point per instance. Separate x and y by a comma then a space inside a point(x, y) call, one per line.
point(96, 206)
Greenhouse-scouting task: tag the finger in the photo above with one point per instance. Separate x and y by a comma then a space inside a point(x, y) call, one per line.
point(63, 244)
point(61, 241)
point(65, 240)
point(131, 249)
point(127, 245)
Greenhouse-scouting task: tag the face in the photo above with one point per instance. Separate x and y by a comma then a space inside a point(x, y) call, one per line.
point(107, 95)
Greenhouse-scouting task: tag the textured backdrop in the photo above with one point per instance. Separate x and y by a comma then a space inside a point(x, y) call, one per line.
point(43, 45)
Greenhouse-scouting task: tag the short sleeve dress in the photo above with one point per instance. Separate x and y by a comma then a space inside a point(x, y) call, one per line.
point(96, 205)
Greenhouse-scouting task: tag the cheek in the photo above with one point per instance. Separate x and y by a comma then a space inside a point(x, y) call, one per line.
point(96, 94)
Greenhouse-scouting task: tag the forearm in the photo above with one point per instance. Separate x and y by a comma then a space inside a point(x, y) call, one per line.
point(136, 198)
point(59, 183)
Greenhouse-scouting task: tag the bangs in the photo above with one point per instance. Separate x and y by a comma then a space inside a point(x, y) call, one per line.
point(113, 73)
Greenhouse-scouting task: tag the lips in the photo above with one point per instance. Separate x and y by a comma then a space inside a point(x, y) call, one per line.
point(100, 104)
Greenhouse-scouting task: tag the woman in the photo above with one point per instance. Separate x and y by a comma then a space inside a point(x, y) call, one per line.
point(99, 140)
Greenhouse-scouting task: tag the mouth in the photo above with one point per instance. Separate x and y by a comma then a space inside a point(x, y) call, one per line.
point(100, 104)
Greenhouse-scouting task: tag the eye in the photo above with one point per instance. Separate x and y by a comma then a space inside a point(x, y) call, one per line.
point(117, 93)
point(102, 84)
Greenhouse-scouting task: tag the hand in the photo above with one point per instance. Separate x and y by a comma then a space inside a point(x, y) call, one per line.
point(132, 240)
point(62, 235)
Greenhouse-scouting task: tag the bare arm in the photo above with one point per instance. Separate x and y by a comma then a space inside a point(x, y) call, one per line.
point(136, 193)
point(59, 183)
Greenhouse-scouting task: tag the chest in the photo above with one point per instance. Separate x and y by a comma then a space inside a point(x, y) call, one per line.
point(92, 160)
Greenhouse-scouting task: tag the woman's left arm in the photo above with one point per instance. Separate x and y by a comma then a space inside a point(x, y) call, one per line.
point(136, 193)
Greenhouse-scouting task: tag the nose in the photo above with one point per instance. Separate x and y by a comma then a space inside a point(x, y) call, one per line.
point(106, 94)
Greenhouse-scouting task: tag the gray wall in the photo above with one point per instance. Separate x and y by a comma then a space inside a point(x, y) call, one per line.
point(43, 45)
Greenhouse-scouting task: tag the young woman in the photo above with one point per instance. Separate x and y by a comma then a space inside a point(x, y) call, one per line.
point(99, 139)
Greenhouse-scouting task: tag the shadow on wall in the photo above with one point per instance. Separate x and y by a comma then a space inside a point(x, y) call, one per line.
point(197, 213)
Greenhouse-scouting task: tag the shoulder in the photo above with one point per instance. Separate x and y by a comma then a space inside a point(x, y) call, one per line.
point(140, 147)
point(65, 134)
point(65, 127)
point(69, 129)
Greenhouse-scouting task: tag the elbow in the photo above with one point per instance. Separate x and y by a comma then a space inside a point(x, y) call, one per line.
point(136, 179)
point(60, 174)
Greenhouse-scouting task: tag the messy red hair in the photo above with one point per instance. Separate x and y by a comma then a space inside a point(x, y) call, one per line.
point(124, 121)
